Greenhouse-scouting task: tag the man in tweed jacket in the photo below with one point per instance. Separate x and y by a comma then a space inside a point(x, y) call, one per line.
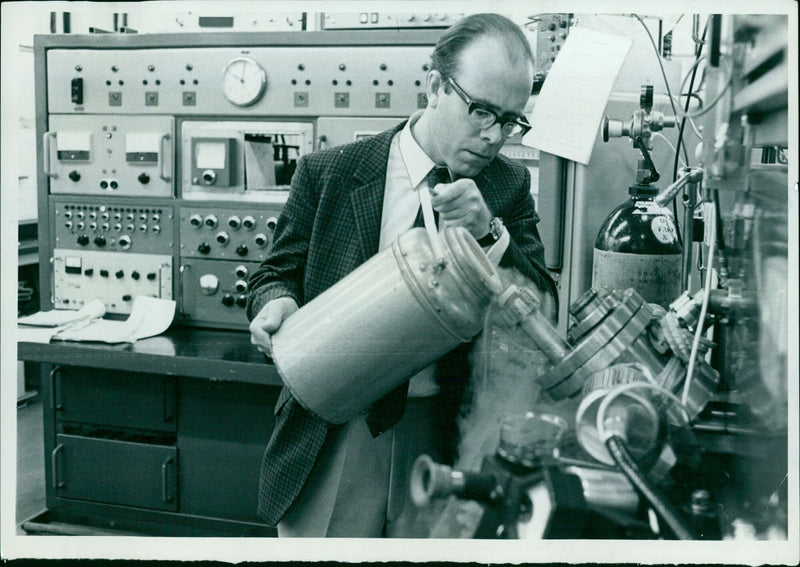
point(350, 480)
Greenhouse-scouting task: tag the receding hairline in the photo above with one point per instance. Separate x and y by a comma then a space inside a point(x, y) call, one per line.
point(447, 56)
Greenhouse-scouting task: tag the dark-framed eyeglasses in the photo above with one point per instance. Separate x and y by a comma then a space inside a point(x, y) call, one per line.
point(482, 117)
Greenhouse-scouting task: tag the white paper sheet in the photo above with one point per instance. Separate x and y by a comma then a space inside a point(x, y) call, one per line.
point(149, 316)
point(57, 318)
point(36, 334)
point(569, 108)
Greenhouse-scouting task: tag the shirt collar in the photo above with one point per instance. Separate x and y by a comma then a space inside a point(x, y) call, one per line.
point(416, 161)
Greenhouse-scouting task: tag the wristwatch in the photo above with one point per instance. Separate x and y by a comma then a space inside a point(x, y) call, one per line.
point(495, 232)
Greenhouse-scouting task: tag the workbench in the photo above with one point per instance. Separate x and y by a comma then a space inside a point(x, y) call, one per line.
point(161, 437)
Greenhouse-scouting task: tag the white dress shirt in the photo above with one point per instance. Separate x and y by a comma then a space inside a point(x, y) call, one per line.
point(406, 173)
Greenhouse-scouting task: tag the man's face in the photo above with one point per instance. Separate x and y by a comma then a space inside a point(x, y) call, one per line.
point(488, 77)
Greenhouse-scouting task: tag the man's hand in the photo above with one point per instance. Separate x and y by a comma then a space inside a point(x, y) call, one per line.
point(269, 320)
point(461, 204)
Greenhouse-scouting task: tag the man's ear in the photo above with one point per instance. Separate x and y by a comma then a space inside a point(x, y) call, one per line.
point(434, 87)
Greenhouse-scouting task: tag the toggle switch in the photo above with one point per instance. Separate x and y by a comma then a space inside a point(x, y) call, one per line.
point(76, 90)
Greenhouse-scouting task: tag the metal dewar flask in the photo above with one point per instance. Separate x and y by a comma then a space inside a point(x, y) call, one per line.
point(388, 319)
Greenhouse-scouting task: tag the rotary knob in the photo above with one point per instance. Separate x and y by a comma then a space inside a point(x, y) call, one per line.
point(227, 300)
point(135, 275)
point(100, 241)
point(74, 176)
point(204, 248)
point(208, 177)
point(143, 178)
point(241, 300)
point(83, 240)
point(249, 222)
point(241, 250)
point(209, 284)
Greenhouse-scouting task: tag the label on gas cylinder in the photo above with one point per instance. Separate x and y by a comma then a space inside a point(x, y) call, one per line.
point(657, 277)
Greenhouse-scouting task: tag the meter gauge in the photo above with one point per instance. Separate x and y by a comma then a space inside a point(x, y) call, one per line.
point(244, 81)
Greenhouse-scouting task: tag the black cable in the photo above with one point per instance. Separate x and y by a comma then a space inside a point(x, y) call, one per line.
point(620, 454)
point(698, 51)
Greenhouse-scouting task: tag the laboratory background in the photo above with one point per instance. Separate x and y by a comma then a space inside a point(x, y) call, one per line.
point(148, 151)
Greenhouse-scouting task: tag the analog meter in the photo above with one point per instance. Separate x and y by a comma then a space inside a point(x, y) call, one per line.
point(243, 81)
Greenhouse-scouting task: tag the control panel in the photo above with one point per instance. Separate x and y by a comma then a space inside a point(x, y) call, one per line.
point(82, 275)
point(379, 20)
point(228, 234)
point(109, 155)
point(551, 33)
point(214, 292)
point(166, 159)
point(258, 81)
point(114, 227)
point(224, 159)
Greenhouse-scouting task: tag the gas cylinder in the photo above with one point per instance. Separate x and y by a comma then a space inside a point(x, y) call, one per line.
point(638, 247)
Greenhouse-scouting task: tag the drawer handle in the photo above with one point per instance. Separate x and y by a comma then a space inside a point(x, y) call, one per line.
point(54, 466)
point(55, 380)
point(164, 175)
point(165, 493)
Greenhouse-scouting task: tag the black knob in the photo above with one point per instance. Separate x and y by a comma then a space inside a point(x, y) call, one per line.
point(100, 241)
point(143, 178)
point(227, 300)
point(74, 175)
point(88, 271)
point(646, 97)
point(151, 276)
point(552, 26)
point(83, 240)
point(126, 297)
point(241, 250)
point(204, 248)
point(104, 273)
point(135, 275)
point(241, 300)
point(119, 274)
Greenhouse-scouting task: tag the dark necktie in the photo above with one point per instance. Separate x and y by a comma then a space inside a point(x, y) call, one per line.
point(437, 174)
point(388, 410)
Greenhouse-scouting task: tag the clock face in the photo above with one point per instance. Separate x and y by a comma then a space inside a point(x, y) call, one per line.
point(243, 81)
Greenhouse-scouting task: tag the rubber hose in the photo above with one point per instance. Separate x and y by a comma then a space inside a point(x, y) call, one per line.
point(620, 454)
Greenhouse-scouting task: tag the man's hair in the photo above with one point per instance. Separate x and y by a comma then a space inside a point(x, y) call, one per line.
point(452, 43)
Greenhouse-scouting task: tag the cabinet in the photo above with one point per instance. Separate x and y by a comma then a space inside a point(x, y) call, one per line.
point(162, 437)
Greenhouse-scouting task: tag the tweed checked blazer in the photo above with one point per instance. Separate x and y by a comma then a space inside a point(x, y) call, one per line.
point(329, 226)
